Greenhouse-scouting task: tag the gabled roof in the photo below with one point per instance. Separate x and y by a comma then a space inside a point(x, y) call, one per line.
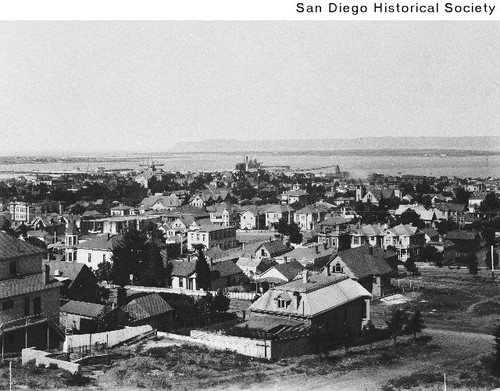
point(11, 247)
point(368, 230)
point(147, 306)
point(361, 263)
point(224, 269)
point(403, 230)
point(274, 248)
point(25, 285)
point(70, 270)
point(317, 296)
point(430, 232)
point(289, 270)
point(462, 235)
point(183, 268)
point(101, 242)
point(91, 310)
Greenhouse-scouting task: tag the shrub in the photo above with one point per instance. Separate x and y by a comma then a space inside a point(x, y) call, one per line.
point(77, 379)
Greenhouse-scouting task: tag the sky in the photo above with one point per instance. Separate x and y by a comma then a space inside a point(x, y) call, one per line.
point(144, 86)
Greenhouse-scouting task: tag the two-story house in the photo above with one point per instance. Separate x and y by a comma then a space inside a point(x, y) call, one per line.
point(274, 213)
point(224, 214)
point(29, 297)
point(210, 235)
point(407, 240)
point(362, 235)
point(365, 264)
point(335, 305)
point(307, 217)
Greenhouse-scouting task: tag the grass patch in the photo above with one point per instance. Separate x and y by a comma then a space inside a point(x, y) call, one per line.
point(487, 308)
point(186, 366)
point(414, 380)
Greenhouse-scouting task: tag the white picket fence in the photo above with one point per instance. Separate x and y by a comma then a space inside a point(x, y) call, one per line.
point(190, 292)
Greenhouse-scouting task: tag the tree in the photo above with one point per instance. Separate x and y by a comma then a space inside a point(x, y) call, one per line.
point(103, 272)
point(409, 216)
point(221, 302)
point(415, 323)
point(411, 266)
point(152, 272)
point(127, 256)
point(472, 265)
point(397, 322)
point(490, 203)
point(427, 253)
point(202, 270)
point(291, 230)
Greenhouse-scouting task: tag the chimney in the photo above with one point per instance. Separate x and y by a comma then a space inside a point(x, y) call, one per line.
point(285, 258)
point(47, 274)
point(305, 276)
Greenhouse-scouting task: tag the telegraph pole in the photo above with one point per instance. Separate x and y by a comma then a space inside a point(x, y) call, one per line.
point(492, 264)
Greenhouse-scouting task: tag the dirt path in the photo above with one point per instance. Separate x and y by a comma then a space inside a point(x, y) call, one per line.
point(455, 347)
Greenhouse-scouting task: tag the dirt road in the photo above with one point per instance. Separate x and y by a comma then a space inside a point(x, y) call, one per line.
point(456, 347)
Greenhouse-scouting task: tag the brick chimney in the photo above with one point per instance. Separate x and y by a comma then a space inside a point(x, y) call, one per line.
point(47, 274)
point(305, 276)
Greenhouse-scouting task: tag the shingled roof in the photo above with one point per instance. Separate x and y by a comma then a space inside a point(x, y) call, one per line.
point(82, 308)
point(11, 247)
point(26, 285)
point(361, 263)
point(318, 295)
point(147, 306)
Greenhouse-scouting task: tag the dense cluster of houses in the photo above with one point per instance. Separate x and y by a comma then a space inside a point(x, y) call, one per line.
point(352, 236)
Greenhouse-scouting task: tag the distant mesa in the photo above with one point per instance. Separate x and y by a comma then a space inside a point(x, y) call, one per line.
point(480, 143)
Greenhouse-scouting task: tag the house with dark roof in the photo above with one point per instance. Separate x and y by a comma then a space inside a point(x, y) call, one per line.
point(266, 250)
point(79, 282)
point(29, 297)
point(183, 275)
point(149, 309)
point(364, 264)
point(82, 317)
point(467, 243)
point(332, 305)
point(431, 235)
point(224, 274)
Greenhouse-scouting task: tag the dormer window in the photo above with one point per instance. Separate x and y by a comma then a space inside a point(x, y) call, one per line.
point(338, 268)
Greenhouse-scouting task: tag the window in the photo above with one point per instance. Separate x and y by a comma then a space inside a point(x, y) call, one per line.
point(339, 268)
point(37, 305)
point(8, 304)
point(262, 252)
point(104, 257)
point(181, 283)
point(13, 268)
point(281, 303)
point(89, 257)
point(70, 257)
point(26, 306)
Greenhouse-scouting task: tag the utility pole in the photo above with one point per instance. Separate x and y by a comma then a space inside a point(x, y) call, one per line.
point(492, 264)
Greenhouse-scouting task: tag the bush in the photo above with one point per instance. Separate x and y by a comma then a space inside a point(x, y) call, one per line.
point(77, 380)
